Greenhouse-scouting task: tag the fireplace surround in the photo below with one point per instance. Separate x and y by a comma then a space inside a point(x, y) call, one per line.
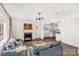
point(27, 36)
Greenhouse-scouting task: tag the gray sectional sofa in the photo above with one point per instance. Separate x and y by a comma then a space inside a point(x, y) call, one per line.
point(53, 49)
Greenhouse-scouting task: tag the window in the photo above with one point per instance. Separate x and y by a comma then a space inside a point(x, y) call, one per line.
point(1, 31)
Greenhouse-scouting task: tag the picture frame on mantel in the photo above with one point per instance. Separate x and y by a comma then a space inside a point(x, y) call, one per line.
point(27, 26)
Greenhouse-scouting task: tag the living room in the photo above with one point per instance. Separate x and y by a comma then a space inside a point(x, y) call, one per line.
point(40, 24)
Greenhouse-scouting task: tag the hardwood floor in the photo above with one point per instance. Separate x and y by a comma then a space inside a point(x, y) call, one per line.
point(37, 42)
point(68, 50)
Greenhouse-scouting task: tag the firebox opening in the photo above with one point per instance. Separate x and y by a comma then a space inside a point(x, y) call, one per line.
point(27, 36)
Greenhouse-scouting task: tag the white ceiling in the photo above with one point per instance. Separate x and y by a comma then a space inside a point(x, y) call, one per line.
point(28, 11)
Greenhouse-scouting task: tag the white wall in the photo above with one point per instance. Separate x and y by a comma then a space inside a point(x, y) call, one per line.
point(6, 22)
point(18, 29)
point(69, 30)
point(17, 26)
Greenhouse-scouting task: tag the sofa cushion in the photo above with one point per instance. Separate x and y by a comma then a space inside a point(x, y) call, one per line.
point(38, 49)
point(9, 46)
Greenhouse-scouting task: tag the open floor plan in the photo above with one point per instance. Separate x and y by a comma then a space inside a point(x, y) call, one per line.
point(39, 29)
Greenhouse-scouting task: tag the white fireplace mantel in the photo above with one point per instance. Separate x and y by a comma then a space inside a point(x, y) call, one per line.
point(25, 31)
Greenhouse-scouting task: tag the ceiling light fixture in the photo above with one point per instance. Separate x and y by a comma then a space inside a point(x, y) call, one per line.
point(39, 17)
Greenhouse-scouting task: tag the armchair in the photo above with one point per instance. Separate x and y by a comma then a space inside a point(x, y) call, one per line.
point(10, 48)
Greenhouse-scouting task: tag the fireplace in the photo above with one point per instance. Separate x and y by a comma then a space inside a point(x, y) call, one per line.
point(27, 36)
